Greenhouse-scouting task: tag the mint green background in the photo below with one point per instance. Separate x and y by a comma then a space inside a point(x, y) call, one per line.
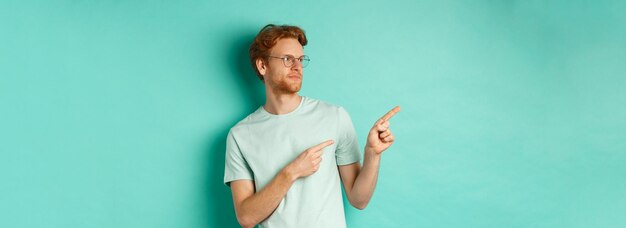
point(115, 113)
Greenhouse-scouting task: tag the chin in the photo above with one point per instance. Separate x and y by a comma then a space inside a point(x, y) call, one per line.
point(290, 88)
point(296, 88)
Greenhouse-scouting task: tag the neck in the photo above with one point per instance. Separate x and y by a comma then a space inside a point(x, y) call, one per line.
point(281, 103)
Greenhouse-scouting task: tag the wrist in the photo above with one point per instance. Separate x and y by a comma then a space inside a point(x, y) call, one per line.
point(288, 173)
point(371, 155)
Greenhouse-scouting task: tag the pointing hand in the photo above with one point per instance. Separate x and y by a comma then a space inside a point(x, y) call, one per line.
point(380, 137)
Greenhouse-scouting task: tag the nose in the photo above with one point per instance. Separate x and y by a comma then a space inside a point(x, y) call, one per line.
point(297, 65)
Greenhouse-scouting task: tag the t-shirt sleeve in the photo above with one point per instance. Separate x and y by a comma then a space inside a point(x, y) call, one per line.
point(348, 147)
point(236, 167)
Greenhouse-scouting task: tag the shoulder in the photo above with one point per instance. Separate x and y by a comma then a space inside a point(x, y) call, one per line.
point(245, 123)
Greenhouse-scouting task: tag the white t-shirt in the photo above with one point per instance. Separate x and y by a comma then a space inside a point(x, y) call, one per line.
point(262, 144)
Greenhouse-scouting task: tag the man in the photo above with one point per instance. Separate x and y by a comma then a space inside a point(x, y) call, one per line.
point(286, 160)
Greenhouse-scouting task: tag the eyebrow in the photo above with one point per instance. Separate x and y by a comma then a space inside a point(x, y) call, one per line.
point(291, 55)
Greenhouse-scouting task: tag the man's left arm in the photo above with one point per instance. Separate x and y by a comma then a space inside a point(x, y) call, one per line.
point(359, 183)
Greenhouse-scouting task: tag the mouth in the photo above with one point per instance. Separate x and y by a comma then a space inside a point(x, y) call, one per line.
point(294, 76)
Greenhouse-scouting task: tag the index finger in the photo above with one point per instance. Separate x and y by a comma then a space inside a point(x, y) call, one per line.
point(389, 114)
point(322, 145)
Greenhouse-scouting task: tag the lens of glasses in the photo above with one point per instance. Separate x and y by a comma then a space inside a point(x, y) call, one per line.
point(288, 61)
point(304, 60)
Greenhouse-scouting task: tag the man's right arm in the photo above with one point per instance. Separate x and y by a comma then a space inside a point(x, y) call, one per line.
point(252, 208)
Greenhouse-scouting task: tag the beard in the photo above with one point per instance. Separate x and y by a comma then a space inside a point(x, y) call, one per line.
point(286, 85)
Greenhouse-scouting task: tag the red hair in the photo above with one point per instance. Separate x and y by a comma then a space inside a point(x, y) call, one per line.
point(267, 38)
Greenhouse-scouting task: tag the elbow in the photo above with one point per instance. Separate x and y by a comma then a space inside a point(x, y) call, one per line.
point(245, 222)
point(359, 204)
point(359, 201)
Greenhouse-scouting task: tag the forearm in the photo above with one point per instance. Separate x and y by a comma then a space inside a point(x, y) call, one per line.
point(365, 182)
point(262, 204)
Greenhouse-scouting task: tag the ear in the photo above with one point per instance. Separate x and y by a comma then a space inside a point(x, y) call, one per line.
point(260, 65)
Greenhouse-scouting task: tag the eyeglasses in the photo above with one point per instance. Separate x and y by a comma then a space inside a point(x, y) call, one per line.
point(289, 60)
